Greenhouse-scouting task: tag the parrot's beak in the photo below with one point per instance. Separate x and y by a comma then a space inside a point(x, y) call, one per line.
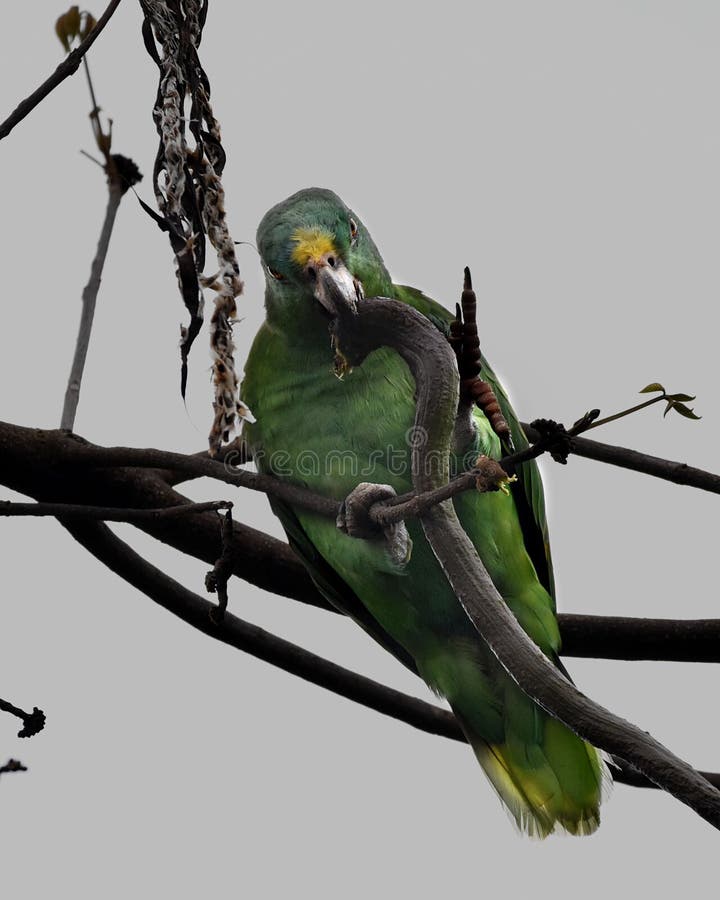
point(334, 287)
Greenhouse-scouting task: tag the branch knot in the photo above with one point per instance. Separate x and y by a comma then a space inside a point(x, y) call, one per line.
point(554, 436)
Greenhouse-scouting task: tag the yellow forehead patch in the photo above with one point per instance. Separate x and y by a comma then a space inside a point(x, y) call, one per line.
point(311, 243)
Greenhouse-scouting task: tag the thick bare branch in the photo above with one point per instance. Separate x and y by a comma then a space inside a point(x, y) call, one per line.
point(196, 466)
point(29, 464)
point(666, 469)
point(620, 637)
point(197, 611)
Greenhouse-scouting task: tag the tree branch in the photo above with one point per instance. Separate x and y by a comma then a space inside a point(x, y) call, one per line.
point(29, 464)
point(108, 513)
point(666, 469)
point(620, 637)
point(89, 299)
point(13, 765)
point(82, 452)
point(197, 612)
point(32, 722)
point(216, 580)
point(66, 68)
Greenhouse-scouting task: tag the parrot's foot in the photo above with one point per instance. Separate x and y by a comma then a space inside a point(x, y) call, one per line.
point(354, 519)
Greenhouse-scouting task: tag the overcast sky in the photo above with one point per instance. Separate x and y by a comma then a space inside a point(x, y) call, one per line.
point(568, 152)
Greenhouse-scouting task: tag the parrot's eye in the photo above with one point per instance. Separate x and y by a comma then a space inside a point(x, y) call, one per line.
point(353, 231)
point(278, 276)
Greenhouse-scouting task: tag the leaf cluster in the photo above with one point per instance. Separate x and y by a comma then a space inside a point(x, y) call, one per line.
point(675, 402)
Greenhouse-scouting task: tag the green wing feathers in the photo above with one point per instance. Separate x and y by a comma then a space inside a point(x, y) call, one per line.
point(356, 429)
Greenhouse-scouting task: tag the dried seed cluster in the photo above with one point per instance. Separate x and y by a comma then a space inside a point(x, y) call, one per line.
point(465, 342)
point(191, 199)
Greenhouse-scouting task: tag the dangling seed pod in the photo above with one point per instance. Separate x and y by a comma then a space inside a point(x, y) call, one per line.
point(471, 357)
point(483, 394)
point(190, 196)
point(466, 342)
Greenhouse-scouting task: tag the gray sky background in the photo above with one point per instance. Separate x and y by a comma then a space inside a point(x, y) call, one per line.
point(568, 152)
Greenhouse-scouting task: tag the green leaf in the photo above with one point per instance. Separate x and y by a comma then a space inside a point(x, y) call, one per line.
point(679, 397)
point(684, 411)
point(655, 386)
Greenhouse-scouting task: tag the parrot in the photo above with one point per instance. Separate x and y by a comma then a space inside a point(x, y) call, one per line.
point(329, 433)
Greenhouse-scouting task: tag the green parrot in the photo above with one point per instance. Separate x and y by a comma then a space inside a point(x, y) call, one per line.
point(329, 434)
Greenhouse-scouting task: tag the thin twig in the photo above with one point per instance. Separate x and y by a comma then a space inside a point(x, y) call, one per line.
point(108, 513)
point(32, 722)
point(89, 299)
point(487, 475)
point(66, 68)
point(13, 765)
point(597, 423)
point(95, 111)
point(118, 182)
point(92, 159)
point(216, 580)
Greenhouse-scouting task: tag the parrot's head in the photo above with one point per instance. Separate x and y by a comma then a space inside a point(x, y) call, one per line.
point(317, 255)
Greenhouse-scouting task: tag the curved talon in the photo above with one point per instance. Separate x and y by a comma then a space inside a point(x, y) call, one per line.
point(354, 519)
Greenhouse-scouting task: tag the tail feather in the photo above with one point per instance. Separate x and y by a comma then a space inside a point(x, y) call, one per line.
point(548, 787)
point(548, 778)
